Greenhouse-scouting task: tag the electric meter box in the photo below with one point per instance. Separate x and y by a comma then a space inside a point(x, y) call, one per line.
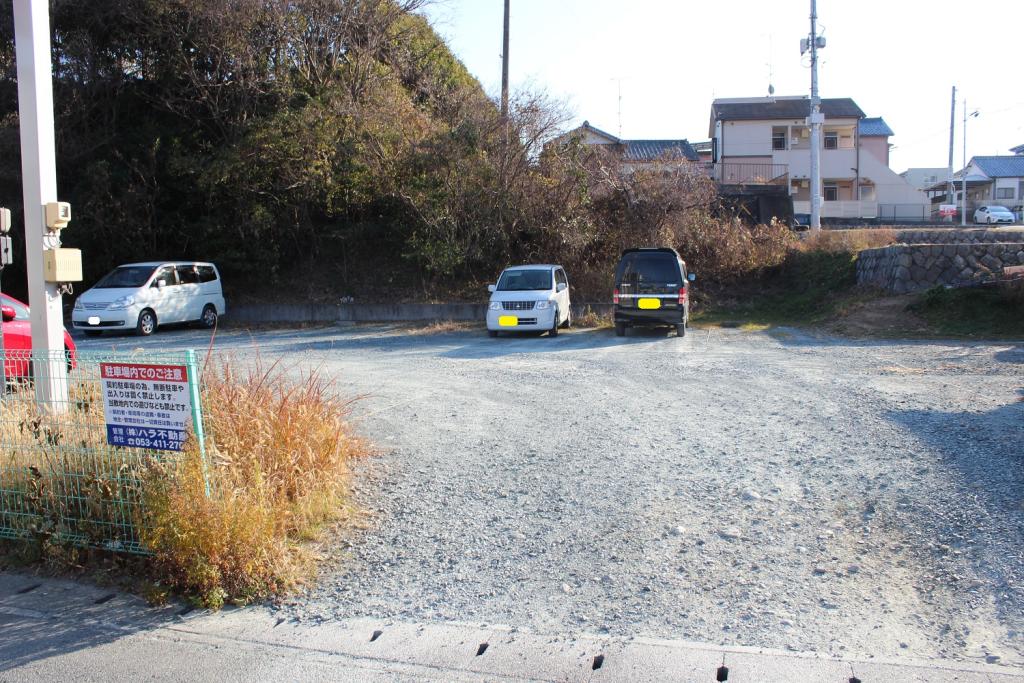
point(62, 265)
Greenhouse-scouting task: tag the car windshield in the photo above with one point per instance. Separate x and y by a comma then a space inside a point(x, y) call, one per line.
point(125, 277)
point(661, 268)
point(523, 280)
point(1002, 209)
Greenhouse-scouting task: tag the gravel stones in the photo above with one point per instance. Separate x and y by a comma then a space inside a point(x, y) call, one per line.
point(489, 504)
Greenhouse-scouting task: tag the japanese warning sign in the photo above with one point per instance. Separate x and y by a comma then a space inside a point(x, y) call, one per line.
point(146, 406)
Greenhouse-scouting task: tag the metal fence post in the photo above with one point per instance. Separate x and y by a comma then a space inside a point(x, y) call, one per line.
point(197, 413)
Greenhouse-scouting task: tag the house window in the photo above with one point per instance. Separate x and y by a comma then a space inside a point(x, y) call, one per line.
point(778, 138)
point(867, 193)
point(831, 193)
point(831, 140)
point(1004, 193)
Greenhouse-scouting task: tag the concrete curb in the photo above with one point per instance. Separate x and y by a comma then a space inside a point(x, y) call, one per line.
point(56, 629)
point(332, 313)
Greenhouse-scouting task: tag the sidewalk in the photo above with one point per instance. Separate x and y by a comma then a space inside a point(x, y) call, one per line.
point(62, 630)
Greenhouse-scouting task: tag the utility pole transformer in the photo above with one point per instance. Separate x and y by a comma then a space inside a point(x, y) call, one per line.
point(816, 120)
point(39, 187)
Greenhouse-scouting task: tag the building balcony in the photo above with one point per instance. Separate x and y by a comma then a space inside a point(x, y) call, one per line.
point(735, 173)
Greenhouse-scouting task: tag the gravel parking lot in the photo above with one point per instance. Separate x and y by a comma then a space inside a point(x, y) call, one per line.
point(769, 489)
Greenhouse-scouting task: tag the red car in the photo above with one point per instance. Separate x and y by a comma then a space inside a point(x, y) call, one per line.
point(17, 333)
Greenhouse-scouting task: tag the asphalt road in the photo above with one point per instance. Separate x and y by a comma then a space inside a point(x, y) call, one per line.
point(781, 490)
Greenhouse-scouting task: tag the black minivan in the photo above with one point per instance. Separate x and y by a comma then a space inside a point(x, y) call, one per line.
point(651, 289)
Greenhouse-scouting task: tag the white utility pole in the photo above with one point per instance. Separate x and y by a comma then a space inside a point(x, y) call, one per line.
point(39, 186)
point(963, 180)
point(816, 119)
point(951, 189)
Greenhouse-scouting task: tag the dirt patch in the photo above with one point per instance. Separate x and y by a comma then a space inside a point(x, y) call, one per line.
point(885, 316)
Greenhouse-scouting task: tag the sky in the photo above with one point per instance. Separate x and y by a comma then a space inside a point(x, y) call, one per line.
point(896, 58)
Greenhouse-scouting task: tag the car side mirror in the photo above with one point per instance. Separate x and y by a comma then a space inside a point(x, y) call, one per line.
point(691, 276)
point(9, 313)
point(491, 288)
point(561, 287)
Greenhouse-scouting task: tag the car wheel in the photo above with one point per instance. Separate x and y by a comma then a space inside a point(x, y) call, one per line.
point(681, 329)
point(620, 329)
point(568, 321)
point(492, 333)
point(147, 323)
point(92, 333)
point(209, 317)
point(553, 332)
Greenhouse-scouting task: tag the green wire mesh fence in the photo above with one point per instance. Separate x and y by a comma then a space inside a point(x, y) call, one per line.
point(77, 432)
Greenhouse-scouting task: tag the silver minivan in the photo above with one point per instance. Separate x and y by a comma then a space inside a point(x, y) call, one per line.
point(142, 296)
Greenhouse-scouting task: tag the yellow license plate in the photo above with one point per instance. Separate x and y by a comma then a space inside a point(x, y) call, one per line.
point(648, 303)
point(508, 321)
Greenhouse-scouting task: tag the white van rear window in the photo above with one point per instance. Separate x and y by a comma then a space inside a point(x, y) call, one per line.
point(207, 274)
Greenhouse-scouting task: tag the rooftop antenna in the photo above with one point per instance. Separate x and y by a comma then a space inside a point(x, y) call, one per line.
point(618, 82)
point(771, 67)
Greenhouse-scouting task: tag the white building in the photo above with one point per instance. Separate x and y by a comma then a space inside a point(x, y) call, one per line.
point(773, 133)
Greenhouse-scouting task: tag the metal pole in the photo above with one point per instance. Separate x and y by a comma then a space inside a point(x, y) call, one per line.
point(951, 199)
point(963, 179)
point(816, 121)
point(196, 398)
point(504, 66)
point(39, 186)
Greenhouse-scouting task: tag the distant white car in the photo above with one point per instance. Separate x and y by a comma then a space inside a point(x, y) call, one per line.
point(993, 213)
point(529, 298)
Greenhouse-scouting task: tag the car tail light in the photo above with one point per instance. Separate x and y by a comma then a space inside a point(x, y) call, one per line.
point(615, 296)
point(682, 295)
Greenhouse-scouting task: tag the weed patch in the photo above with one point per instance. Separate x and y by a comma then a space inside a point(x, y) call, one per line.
point(278, 471)
point(988, 311)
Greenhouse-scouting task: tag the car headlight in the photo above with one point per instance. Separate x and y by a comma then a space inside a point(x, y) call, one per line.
point(78, 304)
point(123, 302)
point(495, 306)
point(542, 305)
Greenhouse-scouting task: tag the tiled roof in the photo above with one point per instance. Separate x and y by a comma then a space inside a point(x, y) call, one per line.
point(1019, 149)
point(649, 150)
point(875, 126)
point(783, 108)
point(1001, 166)
point(586, 124)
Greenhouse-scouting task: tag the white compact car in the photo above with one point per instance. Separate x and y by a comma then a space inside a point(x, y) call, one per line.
point(141, 296)
point(529, 298)
point(992, 213)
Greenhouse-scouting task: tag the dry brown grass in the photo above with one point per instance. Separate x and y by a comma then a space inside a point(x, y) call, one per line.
point(851, 241)
point(278, 455)
point(590, 319)
point(278, 470)
point(441, 327)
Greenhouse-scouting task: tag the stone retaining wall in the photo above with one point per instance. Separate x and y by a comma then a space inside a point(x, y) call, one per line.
point(960, 235)
point(903, 268)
